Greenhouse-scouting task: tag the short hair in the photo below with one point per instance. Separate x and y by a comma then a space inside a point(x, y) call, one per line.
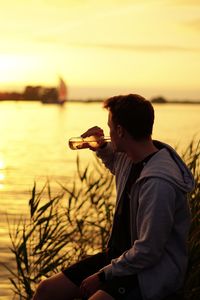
point(133, 112)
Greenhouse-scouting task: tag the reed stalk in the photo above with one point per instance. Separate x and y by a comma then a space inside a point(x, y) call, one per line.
point(191, 289)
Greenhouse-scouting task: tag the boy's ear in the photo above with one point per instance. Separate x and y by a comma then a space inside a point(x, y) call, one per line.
point(120, 131)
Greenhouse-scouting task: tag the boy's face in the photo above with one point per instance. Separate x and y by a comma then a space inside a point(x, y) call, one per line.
point(114, 134)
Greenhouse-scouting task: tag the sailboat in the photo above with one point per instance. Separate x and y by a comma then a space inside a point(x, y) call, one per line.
point(62, 91)
point(55, 95)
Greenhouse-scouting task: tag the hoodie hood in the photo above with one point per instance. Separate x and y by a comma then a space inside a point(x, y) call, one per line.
point(167, 164)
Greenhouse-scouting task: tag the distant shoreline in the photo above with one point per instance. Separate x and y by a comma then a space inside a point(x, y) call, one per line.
point(101, 100)
point(50, 95)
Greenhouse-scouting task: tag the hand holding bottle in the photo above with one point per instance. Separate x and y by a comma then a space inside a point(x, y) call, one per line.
point(93, 139)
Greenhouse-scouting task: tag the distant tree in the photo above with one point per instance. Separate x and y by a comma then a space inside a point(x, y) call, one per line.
point(158, 99)
point(10, 96)
point(15, 96)
point(49, 95)
point(32, 92)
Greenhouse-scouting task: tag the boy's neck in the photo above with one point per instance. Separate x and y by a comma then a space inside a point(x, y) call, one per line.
point(139, 150)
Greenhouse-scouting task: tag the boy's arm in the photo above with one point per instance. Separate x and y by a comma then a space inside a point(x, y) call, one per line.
point(107, 156)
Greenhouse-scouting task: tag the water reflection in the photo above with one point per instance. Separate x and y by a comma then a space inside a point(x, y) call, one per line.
point(2, 164)
point(2, 175)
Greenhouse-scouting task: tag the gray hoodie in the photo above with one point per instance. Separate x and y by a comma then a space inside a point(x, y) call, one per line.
point(159, 218)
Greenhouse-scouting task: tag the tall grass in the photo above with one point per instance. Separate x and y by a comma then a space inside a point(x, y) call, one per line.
point(64, 228)
point(192, 283)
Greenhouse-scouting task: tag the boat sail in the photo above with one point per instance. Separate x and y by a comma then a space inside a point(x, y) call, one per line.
point(62, 91)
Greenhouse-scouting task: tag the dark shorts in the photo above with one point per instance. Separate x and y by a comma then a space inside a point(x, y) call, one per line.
point(126, 287)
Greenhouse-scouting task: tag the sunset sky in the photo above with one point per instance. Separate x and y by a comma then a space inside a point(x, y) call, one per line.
point(102, 47)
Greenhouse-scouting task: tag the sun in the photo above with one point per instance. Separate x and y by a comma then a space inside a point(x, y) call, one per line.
point(12, 67)
point(19, 69)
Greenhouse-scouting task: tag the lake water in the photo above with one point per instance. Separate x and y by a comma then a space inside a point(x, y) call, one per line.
point(33, 147)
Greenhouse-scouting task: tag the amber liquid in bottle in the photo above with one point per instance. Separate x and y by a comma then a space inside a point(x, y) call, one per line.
point(76, 143)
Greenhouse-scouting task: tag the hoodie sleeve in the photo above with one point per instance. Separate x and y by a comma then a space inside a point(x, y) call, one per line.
point(107, 156)
point(155, 217)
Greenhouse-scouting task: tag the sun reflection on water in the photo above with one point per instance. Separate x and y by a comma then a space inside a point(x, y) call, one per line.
point(2, 164)
point(2, 175)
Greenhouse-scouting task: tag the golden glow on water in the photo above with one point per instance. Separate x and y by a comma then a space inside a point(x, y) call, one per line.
point(2, 164)
point(2, 175)
point(34, 141)
point(34, 138)
point(176, 124)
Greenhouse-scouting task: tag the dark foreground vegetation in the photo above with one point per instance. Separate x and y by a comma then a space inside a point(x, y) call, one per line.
point(64, 228)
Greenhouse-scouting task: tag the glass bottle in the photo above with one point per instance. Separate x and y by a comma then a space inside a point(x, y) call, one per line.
point(76, 143)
